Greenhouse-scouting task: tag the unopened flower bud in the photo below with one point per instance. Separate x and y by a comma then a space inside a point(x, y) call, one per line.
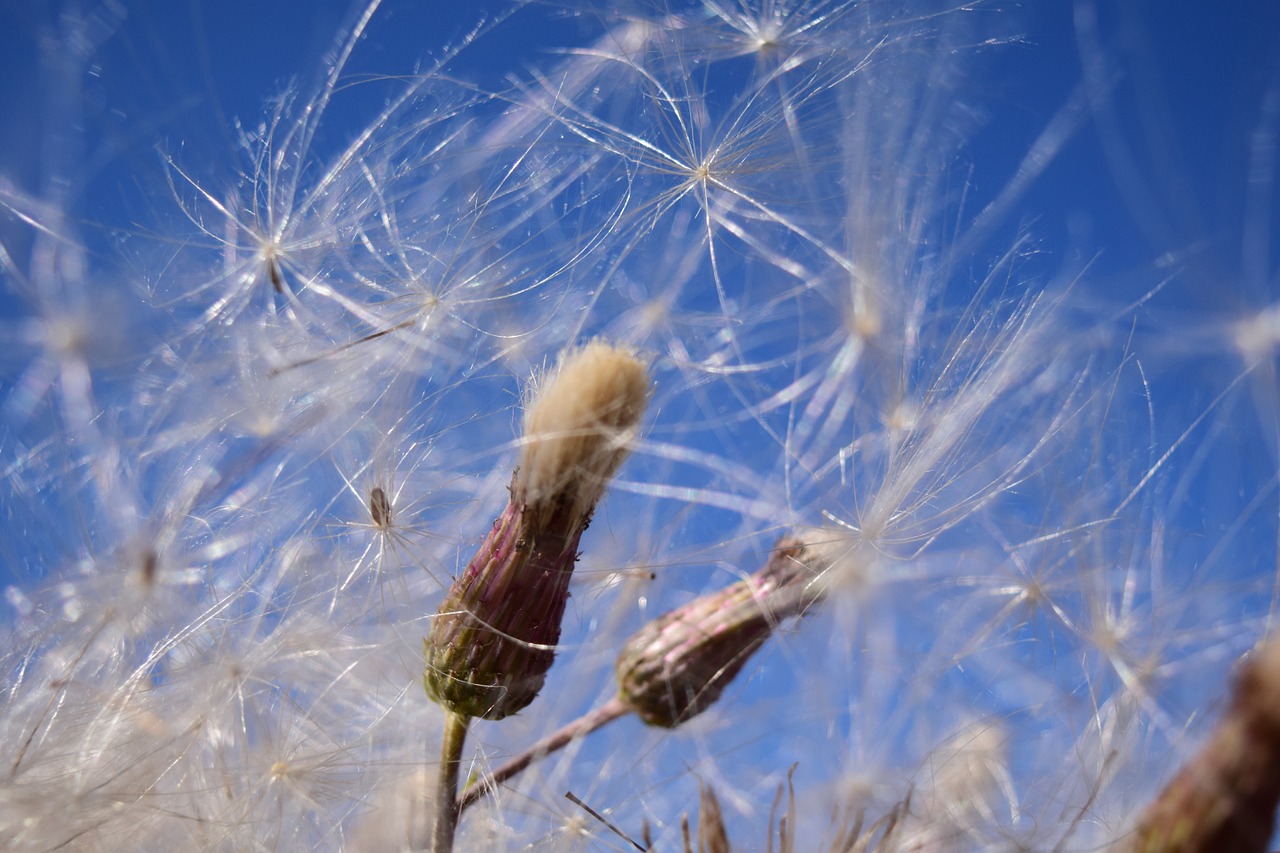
point(495, 635)
point(1225, 797)
point(677, 666)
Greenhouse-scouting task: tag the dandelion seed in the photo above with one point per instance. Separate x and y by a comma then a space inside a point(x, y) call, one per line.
point(379, 507)
point(150, 566)
point(569, 795)
point(273, 269)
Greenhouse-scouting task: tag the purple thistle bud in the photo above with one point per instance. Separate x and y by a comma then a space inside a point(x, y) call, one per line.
point(1225, 797)
point(677, 666)
point(494, 637)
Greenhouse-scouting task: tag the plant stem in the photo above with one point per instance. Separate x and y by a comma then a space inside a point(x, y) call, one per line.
point(581, 727)
point(447, 809)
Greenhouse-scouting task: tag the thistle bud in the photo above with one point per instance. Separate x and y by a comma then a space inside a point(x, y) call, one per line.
point(494, 637)
point(677, 666)
point(1225, 797)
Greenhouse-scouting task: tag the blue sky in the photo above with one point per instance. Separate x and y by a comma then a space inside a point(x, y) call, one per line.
point(1187, 81)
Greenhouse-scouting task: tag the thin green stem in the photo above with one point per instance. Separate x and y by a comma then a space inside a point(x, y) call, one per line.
point(581, 727)
point(447, 810)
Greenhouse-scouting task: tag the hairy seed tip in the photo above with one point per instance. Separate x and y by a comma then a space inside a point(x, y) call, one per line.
point(494, 637)
point(1225, 797)
point(678, 665)
point(578, 427)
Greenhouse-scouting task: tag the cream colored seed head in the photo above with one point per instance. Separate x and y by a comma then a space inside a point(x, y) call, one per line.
point(579, 426)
